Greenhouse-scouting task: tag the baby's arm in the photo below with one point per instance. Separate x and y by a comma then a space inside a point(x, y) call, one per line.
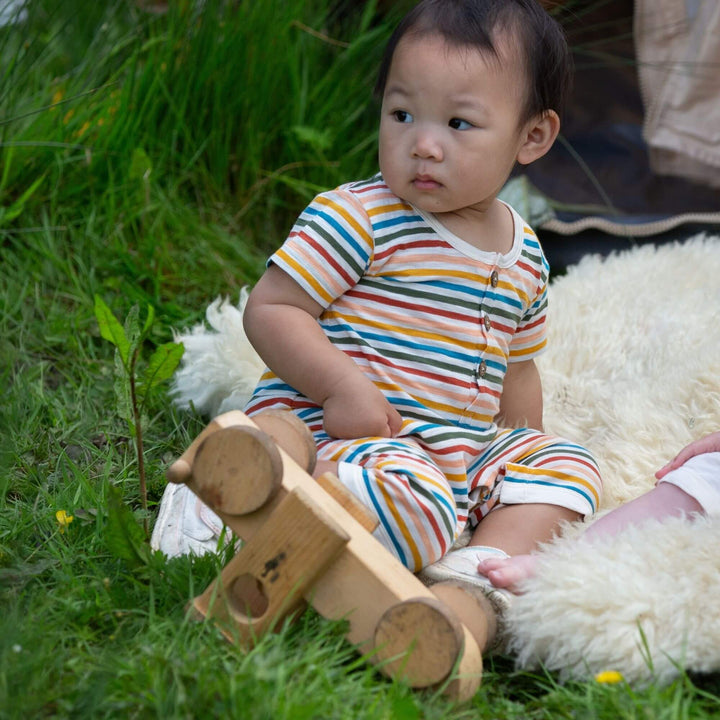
point(707, 444)
point(521, 403)
point(280, 320)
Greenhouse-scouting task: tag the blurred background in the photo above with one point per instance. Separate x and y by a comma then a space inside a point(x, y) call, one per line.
point(233, 114)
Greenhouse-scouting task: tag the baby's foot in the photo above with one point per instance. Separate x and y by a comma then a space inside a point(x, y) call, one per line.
point(508, 573)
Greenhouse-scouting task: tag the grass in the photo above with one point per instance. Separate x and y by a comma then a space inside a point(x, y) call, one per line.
point(154, 160)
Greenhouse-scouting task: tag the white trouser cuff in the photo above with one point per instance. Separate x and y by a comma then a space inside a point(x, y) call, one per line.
point(699, 477)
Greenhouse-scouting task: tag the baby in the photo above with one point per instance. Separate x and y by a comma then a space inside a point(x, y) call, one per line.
point(401, 318)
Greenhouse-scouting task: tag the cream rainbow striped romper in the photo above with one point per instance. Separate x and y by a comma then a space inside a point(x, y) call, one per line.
point(433, 321)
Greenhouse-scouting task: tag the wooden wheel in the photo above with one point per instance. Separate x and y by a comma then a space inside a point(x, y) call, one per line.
point(237, 469)
point(291, 434)
point(419, 640)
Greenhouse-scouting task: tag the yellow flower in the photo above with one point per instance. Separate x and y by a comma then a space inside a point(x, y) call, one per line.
point(609, 677)
point(83, 129)
point(63, 519)
point(57, 97)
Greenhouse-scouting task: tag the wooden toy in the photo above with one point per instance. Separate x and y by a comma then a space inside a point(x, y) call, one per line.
point(308, 540)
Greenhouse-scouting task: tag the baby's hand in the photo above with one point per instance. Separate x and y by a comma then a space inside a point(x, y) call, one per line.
point(359, 409)
point(709, 443)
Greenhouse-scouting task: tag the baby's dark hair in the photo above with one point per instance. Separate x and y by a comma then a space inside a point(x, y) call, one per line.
point(477, 24)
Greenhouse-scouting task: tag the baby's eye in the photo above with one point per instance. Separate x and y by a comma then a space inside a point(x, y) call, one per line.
point(459, 124)
point(402, 116)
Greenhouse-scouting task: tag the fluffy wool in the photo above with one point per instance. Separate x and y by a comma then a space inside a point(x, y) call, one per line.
point(643, 603)
point(220, 367)
point(632, 371)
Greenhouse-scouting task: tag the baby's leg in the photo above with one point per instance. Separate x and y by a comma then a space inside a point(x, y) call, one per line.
point(397, 481)
point(700, 480)
point(537, 482)
point(691, 489)
point(518, 530)
point(661, 502)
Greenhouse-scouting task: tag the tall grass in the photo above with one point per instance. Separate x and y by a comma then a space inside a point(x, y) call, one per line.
point(237, 108)
point(155, 159)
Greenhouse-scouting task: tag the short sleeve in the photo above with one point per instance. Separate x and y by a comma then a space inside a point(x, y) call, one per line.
point(330, 246)
point(530, 337)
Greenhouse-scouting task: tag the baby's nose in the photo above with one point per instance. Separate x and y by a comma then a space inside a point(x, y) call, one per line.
point(427, 145)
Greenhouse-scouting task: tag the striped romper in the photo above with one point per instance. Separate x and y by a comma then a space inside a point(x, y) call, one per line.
point(433, 322)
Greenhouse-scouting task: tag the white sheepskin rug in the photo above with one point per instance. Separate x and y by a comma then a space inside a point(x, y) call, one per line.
point(220, 368)
point(632, 371)
point(644, 603)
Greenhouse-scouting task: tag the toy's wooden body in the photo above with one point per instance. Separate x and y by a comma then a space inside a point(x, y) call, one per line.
point(302, 543)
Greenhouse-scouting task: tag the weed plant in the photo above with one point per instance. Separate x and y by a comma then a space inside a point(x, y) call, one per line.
point(153, 160)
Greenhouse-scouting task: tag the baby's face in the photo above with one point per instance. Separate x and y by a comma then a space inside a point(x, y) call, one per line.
point(449, 128)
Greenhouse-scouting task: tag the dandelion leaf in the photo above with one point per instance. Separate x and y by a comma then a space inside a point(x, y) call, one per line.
point(124, 536)
point(162, 364)
point(111, 329)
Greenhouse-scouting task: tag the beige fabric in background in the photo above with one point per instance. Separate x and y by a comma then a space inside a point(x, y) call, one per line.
point(678, 53)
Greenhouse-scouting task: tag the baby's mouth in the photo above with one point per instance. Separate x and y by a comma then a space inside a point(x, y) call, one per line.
point(425, 182)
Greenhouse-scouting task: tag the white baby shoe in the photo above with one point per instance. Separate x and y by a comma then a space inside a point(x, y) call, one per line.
point(185, 525)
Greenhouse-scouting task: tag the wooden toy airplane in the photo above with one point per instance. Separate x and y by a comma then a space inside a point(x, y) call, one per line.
point(307, 539)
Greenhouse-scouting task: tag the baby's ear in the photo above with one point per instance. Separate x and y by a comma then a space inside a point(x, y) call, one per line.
point(540, 134)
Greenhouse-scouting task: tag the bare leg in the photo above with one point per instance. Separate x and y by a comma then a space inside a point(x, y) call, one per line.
point(518, 529)
point(661, 502)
